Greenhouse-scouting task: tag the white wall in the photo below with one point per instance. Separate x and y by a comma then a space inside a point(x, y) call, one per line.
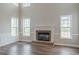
point(49, 15)
point(6, 12)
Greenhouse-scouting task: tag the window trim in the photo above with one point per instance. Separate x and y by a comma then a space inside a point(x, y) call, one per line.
point(14, 27)
point(66, 27)
point(25, 27)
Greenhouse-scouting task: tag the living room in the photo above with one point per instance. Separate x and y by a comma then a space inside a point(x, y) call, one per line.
point(26, 28)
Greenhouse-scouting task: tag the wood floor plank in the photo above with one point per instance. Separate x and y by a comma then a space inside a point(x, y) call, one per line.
point(23, 48)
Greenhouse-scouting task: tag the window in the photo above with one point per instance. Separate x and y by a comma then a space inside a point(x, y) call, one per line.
point(16, 4)
point(65, 26)
point(26, 4)
point(14, 26)
point(26, 27)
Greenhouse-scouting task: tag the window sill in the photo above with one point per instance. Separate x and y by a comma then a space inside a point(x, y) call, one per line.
point(66, 38)
point(26, 36)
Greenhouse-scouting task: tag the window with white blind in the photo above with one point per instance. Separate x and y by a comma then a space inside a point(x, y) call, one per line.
point(14, 26)
point(26, 27)
point(65, 26)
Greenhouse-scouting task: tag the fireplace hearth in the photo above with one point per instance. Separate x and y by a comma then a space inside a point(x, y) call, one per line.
point(43, 35)
point(43, 38)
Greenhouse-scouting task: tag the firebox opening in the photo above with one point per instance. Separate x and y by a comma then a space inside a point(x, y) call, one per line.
point(43, 35)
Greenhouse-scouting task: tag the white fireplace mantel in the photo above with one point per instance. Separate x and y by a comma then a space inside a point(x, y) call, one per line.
point(44, 28)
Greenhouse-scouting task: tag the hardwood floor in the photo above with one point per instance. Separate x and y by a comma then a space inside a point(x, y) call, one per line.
point(23, 48)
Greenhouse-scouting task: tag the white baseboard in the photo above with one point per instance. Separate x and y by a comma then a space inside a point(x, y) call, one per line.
point(6, 43)
point(70, 45)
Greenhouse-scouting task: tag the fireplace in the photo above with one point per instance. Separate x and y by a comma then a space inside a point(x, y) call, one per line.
point(43, 35)
point(43, 38)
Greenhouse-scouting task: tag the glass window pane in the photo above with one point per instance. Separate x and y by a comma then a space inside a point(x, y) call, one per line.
point(14, 26)
point(65, 24)
point(26, 22)
point(26, 27)
point(63, 29)
point(27, 31)
point(13, 31)
point(14, 22)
